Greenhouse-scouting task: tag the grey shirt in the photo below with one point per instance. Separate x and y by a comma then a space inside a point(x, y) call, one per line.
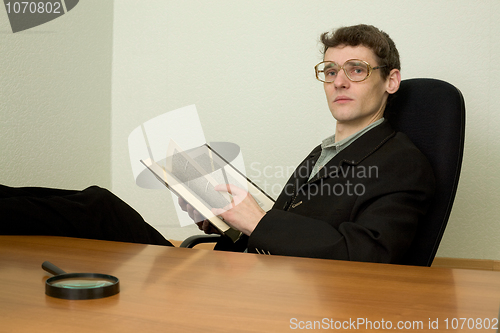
point(330, 148)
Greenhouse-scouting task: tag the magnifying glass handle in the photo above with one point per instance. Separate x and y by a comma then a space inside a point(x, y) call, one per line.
point(52, 269)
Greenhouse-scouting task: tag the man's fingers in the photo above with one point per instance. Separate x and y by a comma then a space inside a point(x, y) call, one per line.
point(197, 216)
point(182, 204)
point(190, 211)
point(206, 226)
point(203, 225)
point(219, 211)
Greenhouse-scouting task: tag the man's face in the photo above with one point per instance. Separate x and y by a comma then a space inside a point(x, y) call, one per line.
point(355, 103)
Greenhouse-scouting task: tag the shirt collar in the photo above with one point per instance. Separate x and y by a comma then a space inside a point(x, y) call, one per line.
point(329, 142)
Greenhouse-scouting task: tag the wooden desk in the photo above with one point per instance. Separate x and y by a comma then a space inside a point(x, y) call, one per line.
point(186, 290)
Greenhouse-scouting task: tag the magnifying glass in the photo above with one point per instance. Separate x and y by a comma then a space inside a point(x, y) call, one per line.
point(79, 285)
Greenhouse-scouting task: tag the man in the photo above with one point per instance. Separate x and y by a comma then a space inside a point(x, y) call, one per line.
point(359, 195)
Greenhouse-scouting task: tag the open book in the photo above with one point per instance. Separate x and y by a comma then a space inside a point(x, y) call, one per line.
point(192, 175)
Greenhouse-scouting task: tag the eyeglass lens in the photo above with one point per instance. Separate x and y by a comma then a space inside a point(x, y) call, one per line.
point(355, 71)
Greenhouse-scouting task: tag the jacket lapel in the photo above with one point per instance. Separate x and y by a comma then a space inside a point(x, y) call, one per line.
point(305, 169)
point(357, 151)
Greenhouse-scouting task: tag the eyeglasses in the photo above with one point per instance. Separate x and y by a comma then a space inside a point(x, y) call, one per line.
point(356, 70)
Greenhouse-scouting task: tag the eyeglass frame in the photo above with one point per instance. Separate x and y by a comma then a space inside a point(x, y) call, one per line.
point(370, 70)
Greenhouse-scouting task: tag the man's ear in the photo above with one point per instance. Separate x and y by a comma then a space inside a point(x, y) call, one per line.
point(393, 81)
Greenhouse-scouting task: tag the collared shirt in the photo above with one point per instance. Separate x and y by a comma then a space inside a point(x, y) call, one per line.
point(330, 148)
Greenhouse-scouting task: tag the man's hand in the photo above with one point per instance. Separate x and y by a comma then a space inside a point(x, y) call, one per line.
point(201, 222)
point(243, 213)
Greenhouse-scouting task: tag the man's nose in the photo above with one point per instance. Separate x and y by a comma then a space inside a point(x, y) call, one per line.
point(341, 80)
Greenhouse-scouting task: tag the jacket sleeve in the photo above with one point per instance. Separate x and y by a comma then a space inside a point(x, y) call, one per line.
point(378, 227)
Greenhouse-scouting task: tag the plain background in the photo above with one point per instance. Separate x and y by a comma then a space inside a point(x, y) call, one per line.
point(73, 89)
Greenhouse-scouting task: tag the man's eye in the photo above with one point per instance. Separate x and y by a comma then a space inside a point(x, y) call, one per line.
point(330, 72)
point(358, 70)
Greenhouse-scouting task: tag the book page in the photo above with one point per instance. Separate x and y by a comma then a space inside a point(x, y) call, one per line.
point(193, 174)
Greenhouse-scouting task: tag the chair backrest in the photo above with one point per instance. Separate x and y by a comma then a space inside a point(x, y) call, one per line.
point(432, 113)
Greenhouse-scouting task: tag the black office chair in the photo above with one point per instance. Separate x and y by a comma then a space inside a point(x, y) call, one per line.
point(432, 113)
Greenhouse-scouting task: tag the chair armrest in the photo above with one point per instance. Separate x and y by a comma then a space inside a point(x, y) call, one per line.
point(199, 239)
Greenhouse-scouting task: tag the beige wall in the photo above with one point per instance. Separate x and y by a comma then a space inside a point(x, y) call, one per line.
point(55, 99)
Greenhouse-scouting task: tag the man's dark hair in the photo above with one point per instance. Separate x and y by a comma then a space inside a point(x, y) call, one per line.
point(369, 36)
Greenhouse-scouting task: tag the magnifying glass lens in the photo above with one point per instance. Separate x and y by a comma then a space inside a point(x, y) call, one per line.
point(81, 283)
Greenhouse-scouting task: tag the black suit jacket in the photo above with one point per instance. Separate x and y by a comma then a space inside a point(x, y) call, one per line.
point(364, 205)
